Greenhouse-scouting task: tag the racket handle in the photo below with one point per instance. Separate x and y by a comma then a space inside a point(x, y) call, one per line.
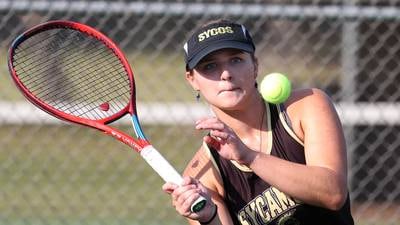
point(198, 205)
point(167, 172)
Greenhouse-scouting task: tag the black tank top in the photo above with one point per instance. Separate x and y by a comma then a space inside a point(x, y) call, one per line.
point(252, 201)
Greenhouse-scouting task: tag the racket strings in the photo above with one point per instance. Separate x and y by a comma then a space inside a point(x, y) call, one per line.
point(74, 73)
point(38, 46)
point(79, 79)
point(90, 95)
point(41, 65)
point(66, 67)
point(61, 81)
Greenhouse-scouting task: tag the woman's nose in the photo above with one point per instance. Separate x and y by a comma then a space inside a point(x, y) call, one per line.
point(226, 74)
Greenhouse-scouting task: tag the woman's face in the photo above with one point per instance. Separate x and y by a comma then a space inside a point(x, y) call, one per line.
point(225, 78)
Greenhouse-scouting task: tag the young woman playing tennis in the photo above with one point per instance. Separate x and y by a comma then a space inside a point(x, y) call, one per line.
point(260, 163)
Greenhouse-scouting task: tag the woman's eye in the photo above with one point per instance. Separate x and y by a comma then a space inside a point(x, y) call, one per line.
point(209, 66)
point(236, 60)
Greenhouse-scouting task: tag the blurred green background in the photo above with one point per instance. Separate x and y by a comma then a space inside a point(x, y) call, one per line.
point(54, 173)
point(49, 179)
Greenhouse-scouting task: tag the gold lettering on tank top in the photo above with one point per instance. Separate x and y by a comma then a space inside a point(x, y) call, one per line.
point(266, 207)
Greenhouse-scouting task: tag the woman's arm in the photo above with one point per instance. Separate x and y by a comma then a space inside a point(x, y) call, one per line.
point(323, 180)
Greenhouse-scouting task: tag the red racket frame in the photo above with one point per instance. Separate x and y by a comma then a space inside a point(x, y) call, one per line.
point(137, 144)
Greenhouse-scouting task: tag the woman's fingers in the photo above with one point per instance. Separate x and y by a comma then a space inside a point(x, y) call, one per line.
point(210, 124)
point(169, 187)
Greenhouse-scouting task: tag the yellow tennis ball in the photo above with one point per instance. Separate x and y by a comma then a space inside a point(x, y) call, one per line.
point(275, 88)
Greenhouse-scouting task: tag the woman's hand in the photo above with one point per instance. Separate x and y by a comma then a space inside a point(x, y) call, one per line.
point(184, 195)
point(223, 139)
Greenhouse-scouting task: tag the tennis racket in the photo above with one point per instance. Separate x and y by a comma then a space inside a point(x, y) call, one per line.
point(77, 74)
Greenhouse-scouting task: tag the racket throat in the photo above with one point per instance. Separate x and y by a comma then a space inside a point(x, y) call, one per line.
point(137, 128)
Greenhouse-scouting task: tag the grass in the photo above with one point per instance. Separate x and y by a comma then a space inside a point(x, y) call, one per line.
point(73, 175)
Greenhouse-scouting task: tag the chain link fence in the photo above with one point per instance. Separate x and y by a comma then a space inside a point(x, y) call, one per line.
point(53, 173)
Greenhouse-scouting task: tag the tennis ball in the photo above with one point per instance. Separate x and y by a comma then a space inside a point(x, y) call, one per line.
point(275, 88)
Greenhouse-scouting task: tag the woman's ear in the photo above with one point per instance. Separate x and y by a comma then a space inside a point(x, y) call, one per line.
point(190, 78)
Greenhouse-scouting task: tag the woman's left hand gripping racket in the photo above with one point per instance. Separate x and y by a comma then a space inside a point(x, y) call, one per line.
point(77, 74)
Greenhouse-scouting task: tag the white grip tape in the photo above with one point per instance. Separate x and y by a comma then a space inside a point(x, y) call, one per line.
point(161, 165)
